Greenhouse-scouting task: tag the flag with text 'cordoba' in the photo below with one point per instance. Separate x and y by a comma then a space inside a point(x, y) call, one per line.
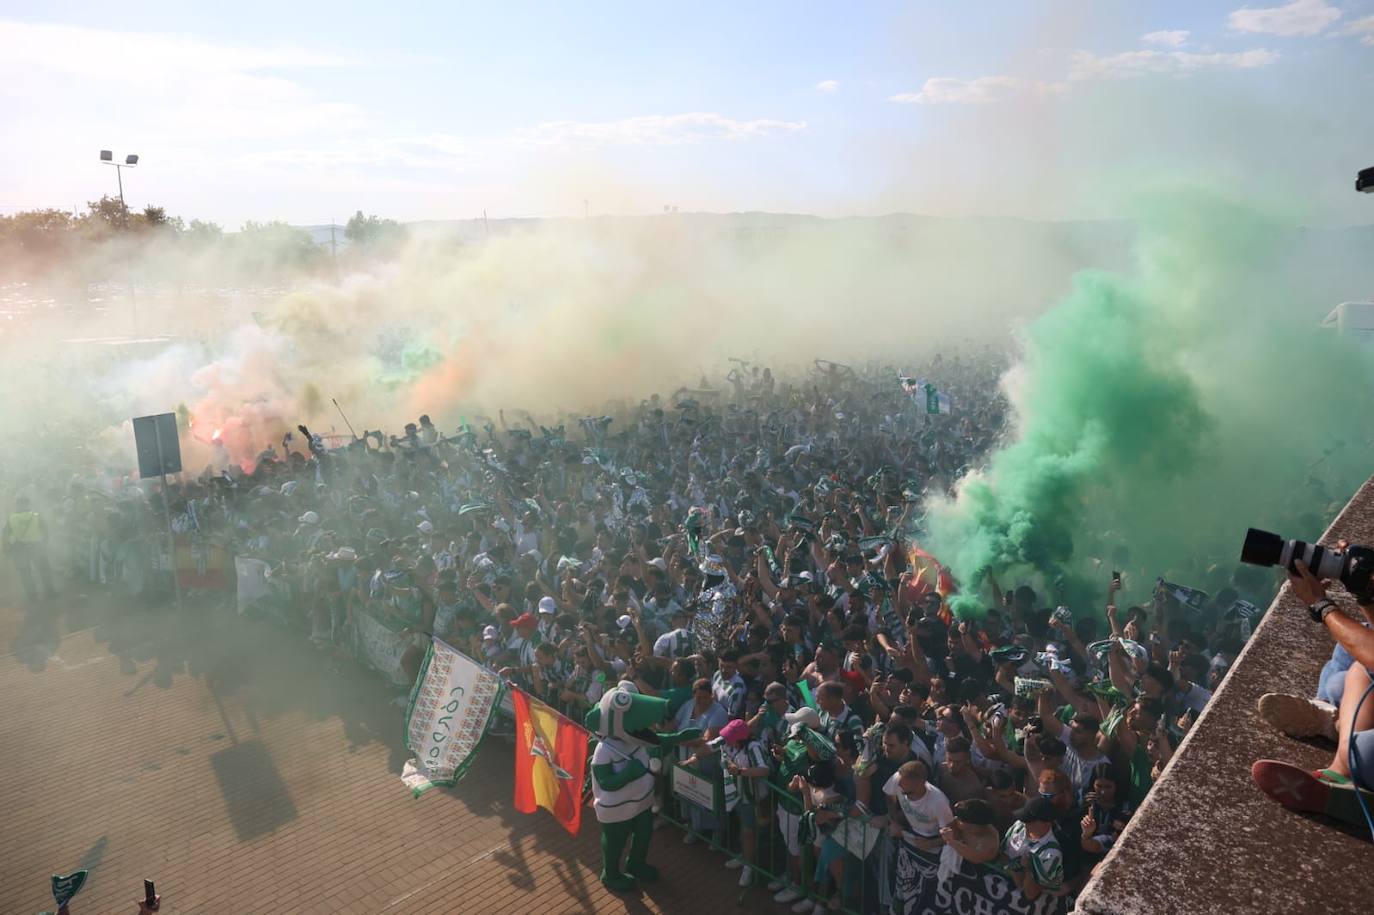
point(451, 704)
point(550, 761)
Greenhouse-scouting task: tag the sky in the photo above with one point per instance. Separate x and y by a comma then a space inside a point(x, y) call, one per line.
point(1040, 109)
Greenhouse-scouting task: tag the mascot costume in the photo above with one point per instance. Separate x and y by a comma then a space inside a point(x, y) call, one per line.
point(623, 779)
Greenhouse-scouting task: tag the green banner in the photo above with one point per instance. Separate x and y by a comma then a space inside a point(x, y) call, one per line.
point(64, 888)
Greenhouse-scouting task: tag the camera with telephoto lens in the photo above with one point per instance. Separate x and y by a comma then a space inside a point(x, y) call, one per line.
point(1353, 566)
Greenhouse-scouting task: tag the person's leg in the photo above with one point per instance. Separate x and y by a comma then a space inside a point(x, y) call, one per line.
point(1331, 681)
point(1357, 681)
point(24, 564)
point(614, 837)
point(1364, 758)
point(45, 572)
point(637, 865)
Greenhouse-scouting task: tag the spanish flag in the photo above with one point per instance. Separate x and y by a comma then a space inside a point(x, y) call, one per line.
point(929, 575)
point(550, 761)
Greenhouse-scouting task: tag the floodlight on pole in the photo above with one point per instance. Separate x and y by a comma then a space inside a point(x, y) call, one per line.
point(130, 161)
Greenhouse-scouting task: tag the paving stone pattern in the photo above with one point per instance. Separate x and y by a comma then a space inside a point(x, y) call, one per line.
point(244, 771)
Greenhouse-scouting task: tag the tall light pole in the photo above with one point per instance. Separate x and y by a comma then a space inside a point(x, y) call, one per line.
point(129, 162)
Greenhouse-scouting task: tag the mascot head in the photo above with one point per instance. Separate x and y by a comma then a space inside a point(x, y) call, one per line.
point(625, 714)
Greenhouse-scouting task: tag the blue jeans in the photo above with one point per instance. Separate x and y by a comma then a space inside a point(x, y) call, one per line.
point(1363, 745)
point(1331, 681)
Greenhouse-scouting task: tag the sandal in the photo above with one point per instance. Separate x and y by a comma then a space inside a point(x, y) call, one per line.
point(1320, 791)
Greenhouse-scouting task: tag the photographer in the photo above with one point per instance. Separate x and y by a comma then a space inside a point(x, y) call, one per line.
point(1333, 790)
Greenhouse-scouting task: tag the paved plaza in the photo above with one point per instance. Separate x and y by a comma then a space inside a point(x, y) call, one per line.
point(244, 771)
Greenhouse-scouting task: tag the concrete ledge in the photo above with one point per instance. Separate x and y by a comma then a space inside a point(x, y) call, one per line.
point(1206, 840)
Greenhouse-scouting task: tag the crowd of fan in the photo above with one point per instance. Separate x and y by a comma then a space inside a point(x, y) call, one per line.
point(744, 552)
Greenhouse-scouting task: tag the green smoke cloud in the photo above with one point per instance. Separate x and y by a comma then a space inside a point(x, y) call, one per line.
point(1161, 413)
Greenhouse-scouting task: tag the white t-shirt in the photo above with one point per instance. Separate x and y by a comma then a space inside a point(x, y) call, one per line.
point(926, 814)
point(1195, 699)
point(1077, 767)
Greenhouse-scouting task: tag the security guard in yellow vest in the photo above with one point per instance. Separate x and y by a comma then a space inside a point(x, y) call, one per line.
point(25, 539)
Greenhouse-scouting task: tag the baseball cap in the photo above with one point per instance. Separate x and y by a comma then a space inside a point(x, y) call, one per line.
point(805, 716)
point(548, 605)
point(525, 619)
point(489, 632)
point(736, 731)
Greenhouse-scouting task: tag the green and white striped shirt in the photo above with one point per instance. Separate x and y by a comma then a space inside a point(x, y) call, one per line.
point(1044, 855)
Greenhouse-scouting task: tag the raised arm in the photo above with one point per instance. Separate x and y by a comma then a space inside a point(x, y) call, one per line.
point(1081, 704)
point(1118, 665)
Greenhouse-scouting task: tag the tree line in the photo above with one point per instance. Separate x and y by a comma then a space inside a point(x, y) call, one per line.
point(46, 241)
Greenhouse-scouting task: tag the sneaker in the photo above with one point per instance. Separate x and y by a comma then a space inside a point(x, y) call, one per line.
point(1322, 791)
point(788, 894)
point(734, 864)
point(806, 905)
point(1298, 716)
point(690, 838)
point(747, 877)
point(775, 885)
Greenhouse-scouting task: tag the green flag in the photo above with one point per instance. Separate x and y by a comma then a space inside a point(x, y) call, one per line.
point(935, 401)
point(64, 888)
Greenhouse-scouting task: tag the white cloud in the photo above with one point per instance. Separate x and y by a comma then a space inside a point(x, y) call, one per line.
point(1301, 17)
point(1363, 29)
point(828, 85)
point(432, 151)
point(167, 86)
point(1140, 63)
point(654, 130)
point(142, 56)
point(948, 90)
point(1174, 39)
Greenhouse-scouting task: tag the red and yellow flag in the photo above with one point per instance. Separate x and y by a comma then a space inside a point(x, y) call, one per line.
point(550, 761)
point(929, 575)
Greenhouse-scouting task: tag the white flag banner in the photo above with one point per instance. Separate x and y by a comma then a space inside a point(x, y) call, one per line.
point(450, 705)
point(250, 577)
point(380, 646)
point(1193, 598)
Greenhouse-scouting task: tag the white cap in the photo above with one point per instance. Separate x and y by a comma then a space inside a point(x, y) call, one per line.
point(425, 527)
point(288, 487)
point(548, 605)
point(658, 563)
point(489, 632)
point(804, 715)
point(309, 518)
point(625, 622)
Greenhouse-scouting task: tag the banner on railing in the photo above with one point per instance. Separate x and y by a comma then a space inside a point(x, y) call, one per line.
point(692, 788)
point(450, 706)
point(857, 837)
point(380, 647)
point(968, 891)
point(201, 565)
point(251, 581)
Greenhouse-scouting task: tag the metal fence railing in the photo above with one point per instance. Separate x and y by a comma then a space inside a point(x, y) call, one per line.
point(850, 866)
